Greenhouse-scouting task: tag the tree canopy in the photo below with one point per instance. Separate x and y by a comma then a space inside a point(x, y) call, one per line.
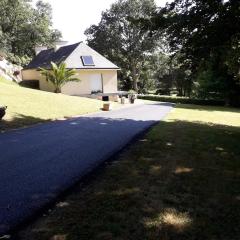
point(190, 46)
point(23, 26)
point(206, 36)
point(123, 39)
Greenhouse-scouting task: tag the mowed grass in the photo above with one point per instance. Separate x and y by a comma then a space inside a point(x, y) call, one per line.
point(27, 106)
point(180, 181)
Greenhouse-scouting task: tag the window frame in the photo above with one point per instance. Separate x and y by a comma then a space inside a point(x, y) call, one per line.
point(84, 63)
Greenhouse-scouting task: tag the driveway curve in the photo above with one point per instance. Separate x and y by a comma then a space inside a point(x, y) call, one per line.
point(40, 162)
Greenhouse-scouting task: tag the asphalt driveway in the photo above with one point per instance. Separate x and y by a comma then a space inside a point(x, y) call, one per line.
point(40, 162)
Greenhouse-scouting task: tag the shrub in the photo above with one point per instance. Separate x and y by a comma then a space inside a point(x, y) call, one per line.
point(182, 100)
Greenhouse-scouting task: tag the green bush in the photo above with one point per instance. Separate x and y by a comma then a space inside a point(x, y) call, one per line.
point(182, 100)
point(20, 61)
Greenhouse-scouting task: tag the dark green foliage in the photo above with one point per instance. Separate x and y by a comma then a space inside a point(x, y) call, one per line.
point(163, 77)
point(183, 100)
point(171, 74)
point(210, 84)
point(205, 36)
point(22, 27)
point(217, 83)
point(120, 37)
point(19, 60)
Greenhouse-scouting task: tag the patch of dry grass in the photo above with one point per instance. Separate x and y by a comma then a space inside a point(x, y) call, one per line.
point(170, 218)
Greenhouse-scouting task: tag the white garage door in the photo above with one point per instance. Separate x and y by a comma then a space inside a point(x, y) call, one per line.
point(96, 82)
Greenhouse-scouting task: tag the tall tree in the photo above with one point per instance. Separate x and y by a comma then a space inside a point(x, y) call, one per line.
point(22, 26)
point(120, 37)
point(206, 33)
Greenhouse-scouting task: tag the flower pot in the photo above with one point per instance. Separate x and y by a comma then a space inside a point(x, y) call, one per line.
point(123, 100)
point(2, 112)
point(106, 106)
point(132, 100)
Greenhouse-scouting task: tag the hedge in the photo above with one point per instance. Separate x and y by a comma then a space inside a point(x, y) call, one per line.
point(182, 100)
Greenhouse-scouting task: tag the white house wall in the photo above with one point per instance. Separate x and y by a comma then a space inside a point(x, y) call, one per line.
point(33, 74)
point(77, 88)
point(84, 86)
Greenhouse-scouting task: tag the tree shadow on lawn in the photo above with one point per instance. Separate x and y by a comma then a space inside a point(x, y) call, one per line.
point(181, 181)
point(18, 121)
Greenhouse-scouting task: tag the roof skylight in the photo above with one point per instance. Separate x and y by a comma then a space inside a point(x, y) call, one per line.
point(87, 61)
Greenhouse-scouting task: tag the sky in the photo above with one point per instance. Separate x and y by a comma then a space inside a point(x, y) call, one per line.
point(73, 17)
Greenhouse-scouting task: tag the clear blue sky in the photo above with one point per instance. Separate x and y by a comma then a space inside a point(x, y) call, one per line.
point(73, 17)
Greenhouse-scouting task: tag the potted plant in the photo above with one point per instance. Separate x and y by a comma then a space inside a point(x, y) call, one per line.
point(106, 106)
point(2, 111)
point(123, 100)
point(132, 96)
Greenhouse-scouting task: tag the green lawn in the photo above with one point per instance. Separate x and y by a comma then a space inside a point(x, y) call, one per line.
point(180, 181)
point(27, 106)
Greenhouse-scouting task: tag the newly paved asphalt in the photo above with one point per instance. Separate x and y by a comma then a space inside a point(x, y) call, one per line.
point(39, 162)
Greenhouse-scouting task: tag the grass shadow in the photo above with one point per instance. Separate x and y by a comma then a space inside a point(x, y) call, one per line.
point(180, 181)
point(19, 121)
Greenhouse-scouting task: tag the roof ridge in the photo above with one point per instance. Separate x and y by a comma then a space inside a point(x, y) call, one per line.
point(45, 57)
point(70, 45)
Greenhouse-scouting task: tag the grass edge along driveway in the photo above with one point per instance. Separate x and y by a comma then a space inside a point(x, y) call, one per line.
point(180, 181)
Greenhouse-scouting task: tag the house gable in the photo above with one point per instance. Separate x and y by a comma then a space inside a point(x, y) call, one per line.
point(75, 59)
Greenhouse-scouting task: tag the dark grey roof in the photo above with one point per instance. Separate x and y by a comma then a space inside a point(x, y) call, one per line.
point(45, 57)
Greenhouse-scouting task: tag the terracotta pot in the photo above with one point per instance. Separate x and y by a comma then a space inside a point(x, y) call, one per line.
point(106, 106)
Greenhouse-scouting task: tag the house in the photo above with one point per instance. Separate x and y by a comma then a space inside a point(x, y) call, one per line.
point(97, 74)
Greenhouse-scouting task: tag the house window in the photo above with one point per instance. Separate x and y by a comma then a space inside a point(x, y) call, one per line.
point(87, 61)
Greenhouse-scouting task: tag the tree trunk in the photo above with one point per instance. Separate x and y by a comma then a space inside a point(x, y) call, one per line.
point(58, 90)
point(135, 78)
point(180, 92)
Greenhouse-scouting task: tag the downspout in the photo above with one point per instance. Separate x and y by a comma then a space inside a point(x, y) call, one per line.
point(102, 82)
